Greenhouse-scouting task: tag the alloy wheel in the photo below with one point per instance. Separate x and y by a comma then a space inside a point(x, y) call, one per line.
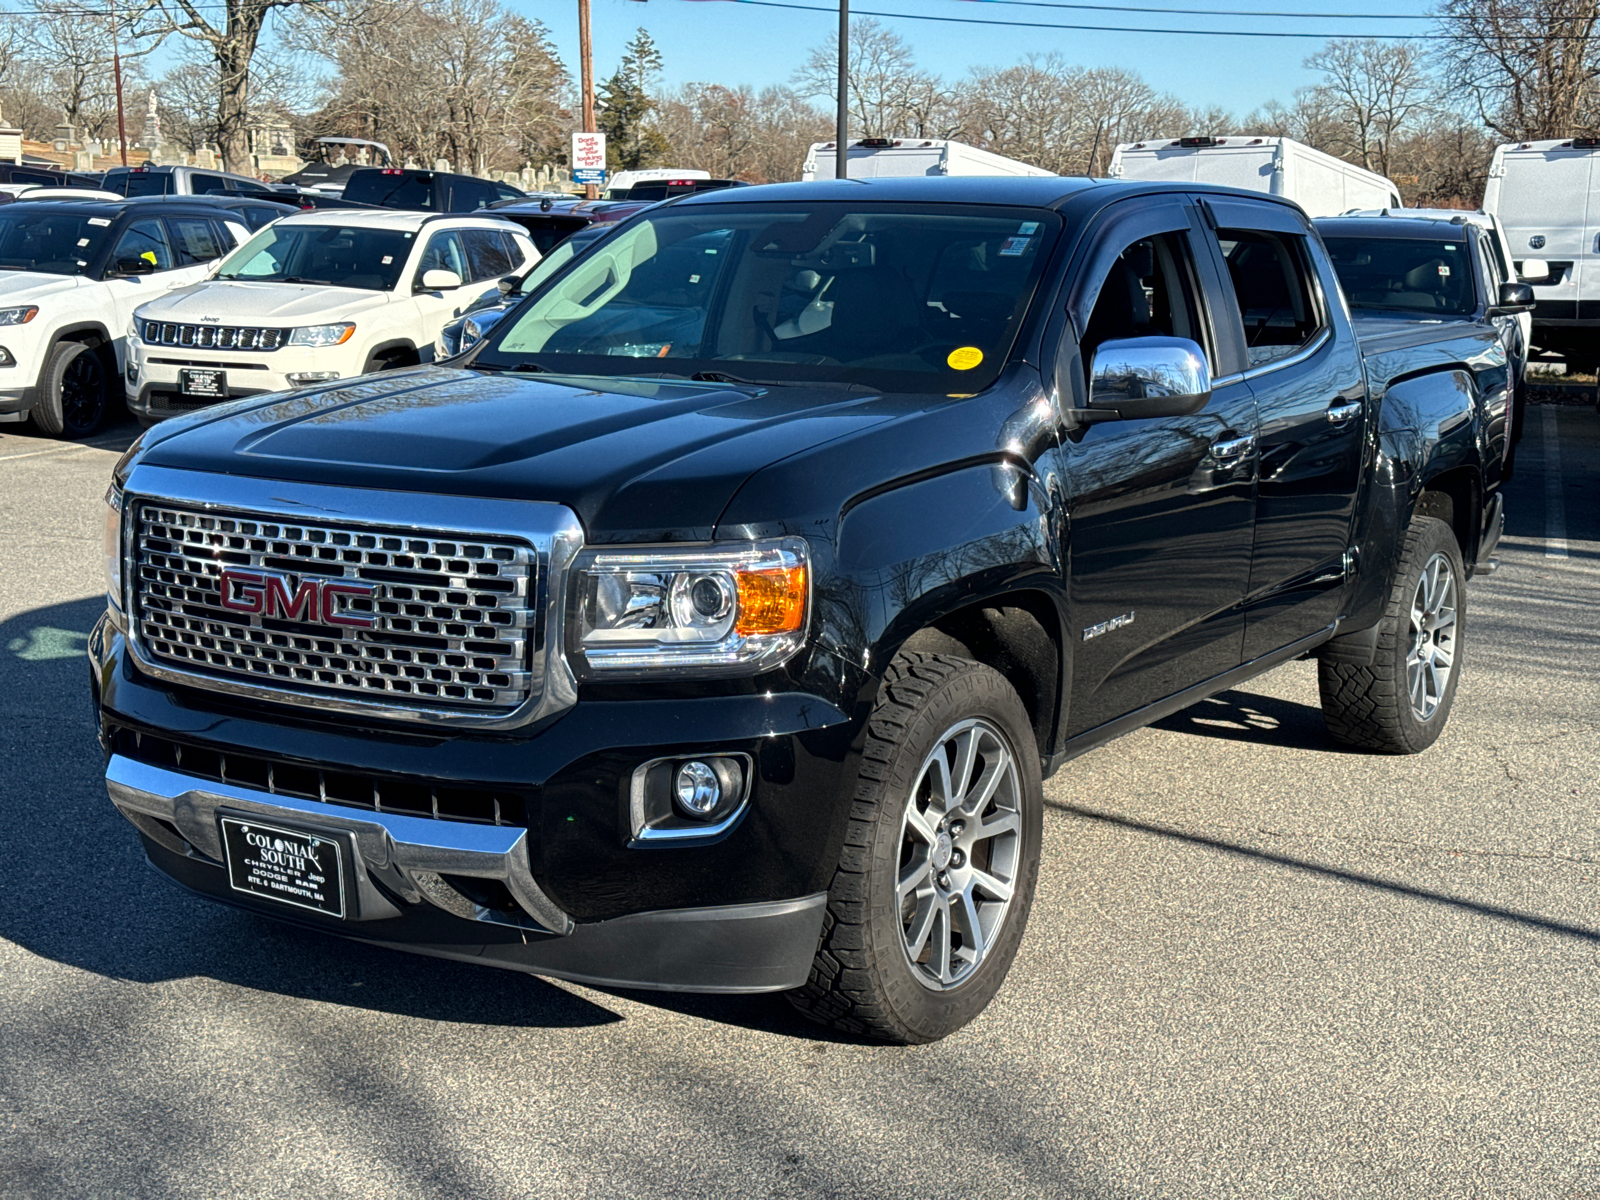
point(1432, 655)
point(83, 392)
point(960, 853)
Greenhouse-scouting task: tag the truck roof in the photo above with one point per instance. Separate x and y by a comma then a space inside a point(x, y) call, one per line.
point(1035, 191)
point(1432, 229)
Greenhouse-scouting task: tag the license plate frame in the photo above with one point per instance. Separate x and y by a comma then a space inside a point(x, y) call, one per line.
point(276, 867)
point(203, 383)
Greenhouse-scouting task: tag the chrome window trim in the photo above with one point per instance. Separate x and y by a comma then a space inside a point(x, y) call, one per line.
point(1324, 335)
point(551, 529)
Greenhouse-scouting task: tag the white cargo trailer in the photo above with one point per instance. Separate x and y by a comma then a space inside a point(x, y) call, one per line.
point(900, 158)
point(1321, 184)
point(1541, 191)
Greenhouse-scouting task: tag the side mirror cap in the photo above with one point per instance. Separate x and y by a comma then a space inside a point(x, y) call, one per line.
point(440, 280)
point(1513, 298)
point(1136, 378)
point(1534, 270)
point(135, 266)
point(509, 284)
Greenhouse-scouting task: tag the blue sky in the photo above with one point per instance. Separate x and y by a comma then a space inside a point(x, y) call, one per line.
point(735, 43)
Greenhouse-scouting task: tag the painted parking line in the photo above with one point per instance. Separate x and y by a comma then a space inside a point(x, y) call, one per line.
point(1555, 508)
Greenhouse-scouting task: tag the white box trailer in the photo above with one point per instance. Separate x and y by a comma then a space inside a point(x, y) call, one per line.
point(1321, 184)
point(1542, 193)
point(901, 158)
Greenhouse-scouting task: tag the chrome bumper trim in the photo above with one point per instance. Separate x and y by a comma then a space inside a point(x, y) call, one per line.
point(408, 854)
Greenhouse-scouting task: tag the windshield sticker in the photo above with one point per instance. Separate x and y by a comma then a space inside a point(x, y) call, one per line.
point(1028, 227)
point(641, 350)
point(1013, 247)
point(964, 358)
point(99, 221)
point(694, 279)
point(1444, 270)
point(387, 259)
point(83, 242)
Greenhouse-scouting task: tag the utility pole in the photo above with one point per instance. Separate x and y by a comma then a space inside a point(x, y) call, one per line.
point(841, 133)
point(586, 53)
point(116, 71)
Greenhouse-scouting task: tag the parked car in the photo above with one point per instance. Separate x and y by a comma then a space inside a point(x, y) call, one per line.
point(11, 192)
point(715, 625)
point(559, 231)
point(1321, 184)
point(252, 212)
point(71, 274)
point(1540, 193)
point(179, 181)
point(905, 157)
point(50, 176)
point(425, 191)
point(313, 298)
point(654, 190)
point(321, 175)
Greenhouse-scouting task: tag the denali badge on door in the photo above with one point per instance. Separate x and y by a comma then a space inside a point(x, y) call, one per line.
point(212, 385)
point(290, 866)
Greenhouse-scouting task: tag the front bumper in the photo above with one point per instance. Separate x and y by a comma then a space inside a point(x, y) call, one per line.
point(154, 390)
point(562, 889)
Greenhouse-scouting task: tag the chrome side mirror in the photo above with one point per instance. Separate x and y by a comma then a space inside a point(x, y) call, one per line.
point(1135, 378)
point(1534, 270)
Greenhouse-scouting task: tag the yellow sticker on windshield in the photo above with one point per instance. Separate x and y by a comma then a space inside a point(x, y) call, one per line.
point(964, 358)
point(149, 256)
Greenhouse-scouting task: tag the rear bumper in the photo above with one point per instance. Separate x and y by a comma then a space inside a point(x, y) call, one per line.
point(400, 869)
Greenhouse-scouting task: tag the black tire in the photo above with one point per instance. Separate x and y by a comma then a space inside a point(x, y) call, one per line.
point(73, 392)
point(1375, 707)
point(389, 360)
point(863, 979)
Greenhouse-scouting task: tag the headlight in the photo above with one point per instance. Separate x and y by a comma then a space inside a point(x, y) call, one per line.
point(322, 335)
point(131, 347)
point(732, 610)
point(18, 316)
point(111, 546)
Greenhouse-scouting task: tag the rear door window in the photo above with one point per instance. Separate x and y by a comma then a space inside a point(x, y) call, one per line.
point(486, 254)
point(201, 184)
point(1272, 282)
point(194, 240)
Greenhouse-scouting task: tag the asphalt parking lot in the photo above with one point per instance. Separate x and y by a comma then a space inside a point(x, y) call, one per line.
point(1258, 965)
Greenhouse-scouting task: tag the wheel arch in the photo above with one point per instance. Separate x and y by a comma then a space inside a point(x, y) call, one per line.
point(394, 348)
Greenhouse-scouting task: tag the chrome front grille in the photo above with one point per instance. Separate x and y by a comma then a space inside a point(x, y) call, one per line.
point(452, 619)
point(213, 337)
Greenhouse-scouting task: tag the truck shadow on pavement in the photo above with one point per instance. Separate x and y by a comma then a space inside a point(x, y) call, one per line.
point(75, 887)
point(1248, 717)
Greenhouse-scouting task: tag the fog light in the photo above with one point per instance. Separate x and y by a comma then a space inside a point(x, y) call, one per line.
point(301, 378)
point(5, 358)
point(698, 789)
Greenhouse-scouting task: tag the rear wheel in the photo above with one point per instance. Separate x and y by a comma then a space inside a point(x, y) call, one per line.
point(73, 392)
point(933, 888)
point(1400, 703)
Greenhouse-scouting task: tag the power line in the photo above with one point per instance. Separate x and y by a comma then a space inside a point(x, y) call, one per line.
point(1213, 12)
point(1322, 35)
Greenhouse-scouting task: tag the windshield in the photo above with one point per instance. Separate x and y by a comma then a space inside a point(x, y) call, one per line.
point(924, 298)
point(56, 243)
point(334, 255)
point(1411, 275)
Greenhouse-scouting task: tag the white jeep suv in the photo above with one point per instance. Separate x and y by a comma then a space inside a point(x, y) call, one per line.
point(315, 297)
point(71, 274)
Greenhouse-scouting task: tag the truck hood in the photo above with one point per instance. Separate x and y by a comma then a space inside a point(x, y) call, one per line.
point(237, 302)
point(30, 287)
point(636, 459)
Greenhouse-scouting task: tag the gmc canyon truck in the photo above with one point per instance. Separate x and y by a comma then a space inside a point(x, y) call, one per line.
point(713, 625)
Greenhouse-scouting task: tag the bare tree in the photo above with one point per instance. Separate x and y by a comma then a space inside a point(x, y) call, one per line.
point(741, 133)
point(889, 93)
point(1374, 91)
point(1526, 67)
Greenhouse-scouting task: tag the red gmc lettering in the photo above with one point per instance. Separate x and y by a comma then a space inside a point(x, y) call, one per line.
point(242, 590)
point(269, 593)
point(330, 605)
point(302, 606)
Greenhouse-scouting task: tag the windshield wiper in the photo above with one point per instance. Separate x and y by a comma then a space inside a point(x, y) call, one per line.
point(521, 368)
point(724, 377)
point(303, 279)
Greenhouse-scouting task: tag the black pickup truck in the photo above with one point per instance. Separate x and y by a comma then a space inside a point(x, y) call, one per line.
point(715, 625)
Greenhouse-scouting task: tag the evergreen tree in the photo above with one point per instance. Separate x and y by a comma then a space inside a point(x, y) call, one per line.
point(632, 139)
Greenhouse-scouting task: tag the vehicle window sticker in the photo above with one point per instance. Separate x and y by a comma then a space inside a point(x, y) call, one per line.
point(964, 358)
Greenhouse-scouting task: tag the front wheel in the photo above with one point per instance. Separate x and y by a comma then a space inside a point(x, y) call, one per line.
point(1400, 703)
point(73, 392)
point(932, 891)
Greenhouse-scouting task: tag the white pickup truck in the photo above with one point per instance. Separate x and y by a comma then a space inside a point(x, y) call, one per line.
point(71, 274)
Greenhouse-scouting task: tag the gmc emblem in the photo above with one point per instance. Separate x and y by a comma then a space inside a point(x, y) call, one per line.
point(275, 594)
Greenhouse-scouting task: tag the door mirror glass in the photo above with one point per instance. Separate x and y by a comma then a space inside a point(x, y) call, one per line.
point(1514, 298)
point(1148, 377)
point(135, 266)
point(1535, 270)
point(440, 280)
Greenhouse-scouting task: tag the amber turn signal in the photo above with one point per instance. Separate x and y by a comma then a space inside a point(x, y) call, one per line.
point(771, 601)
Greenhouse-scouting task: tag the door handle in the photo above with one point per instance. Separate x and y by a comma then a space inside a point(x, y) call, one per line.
point(1338, 414)
point(1231, 448)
